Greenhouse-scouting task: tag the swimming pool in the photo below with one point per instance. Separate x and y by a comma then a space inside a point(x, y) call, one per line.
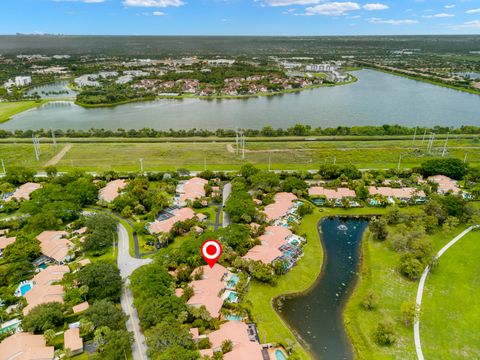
point(25, 288)
point(232, 297)
point(234, 317)
point(233, 281)
point(279, 355)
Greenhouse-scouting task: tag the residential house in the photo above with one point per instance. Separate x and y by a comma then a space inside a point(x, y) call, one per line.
point(190, 190)
point(111, 191)
point(25, 346)
point(23, 192)
point(337, 196)
point(402, 194)
point(54, 245)
point(166, 224)
point(445, 184)
point(73, 341)
point(283, 202)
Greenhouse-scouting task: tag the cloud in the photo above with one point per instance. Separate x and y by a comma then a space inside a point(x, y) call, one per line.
point(392, 21)
point(451, 6)
point(438, 16)
point(84, 1)
point(158, 13)
point(290, 2)
point(375, 6)
point(473, 11)
point(332, 8)
point(153, 3)
point(474, 24)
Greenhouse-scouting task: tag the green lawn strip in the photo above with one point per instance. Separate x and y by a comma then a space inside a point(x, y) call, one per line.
point(23, 155)
point(9, 109)
point(450, 318)
point(379, 274)
point(271, 326)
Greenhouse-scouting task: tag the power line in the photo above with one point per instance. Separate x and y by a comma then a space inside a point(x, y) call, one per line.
point(54, 140)
point(445, 146)
point(5, 171)
point(36, 146)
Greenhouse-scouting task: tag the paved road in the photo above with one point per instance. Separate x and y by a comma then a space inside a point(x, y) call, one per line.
point(227, 189)
point(127, 265)
point(421, 285)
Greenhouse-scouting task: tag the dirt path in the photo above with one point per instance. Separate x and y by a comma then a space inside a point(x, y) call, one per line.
point(56, 159)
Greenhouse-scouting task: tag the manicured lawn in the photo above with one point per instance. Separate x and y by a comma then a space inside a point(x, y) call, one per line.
point(379, 274)
point(24, 155)
point(450, 319)
point(270, 325)
point(8, 109)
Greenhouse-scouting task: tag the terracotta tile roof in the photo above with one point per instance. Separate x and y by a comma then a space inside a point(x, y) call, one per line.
point(72, 340)
point(24, 346)
point(399, 193)
point(206, 291)
point(331, 194)
point(50, 275)
point(268, 250)
point(283, 203)
point(24, 191)
point(192, 189)
point(4, 231)
point(5, 241)
point(445, 184)
point(163, 226)
point(80, 307)
point(237, 332)
point(54, 245)
point(43, 294)
point(110, 191)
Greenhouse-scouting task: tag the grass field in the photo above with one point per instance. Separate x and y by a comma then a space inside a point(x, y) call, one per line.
point(379, 274)
point(270, 325)
point(8, 109)
point(298, 155)
point(450, 319)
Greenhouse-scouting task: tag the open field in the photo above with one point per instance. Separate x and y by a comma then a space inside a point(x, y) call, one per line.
point(379, 274)
point(293, 155)
point(450, 319)
point(8, 109)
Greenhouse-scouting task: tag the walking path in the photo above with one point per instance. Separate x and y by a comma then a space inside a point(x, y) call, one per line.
point(127, 266)
point(227, 189)
point(421, 286)
point(56, 159)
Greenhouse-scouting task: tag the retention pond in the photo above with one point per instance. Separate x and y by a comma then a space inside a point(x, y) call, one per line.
point(316, 316)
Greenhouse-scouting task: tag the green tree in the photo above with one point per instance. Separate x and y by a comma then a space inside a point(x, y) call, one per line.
point(167, 335)
point(409, 311)
point(378, 228)
point(105, 313)
point(248, 170)
point(43, 317)
point(103, 281)
point(453, 168)
point(384, 334)
point(241, 207)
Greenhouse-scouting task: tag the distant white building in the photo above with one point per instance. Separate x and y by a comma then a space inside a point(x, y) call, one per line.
point(23, 81)
point(61, 57)
point(107, 74)
point(136, 73)
point(87, 80)
point(321, 68)
point(124, 79)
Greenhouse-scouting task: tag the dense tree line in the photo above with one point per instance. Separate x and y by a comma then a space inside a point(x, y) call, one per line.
point(266, 131)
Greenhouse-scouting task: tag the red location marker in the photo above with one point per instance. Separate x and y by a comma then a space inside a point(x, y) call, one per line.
point(211, 251)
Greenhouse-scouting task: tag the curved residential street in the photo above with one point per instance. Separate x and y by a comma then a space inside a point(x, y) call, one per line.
point(127, 265)
point(421, 286)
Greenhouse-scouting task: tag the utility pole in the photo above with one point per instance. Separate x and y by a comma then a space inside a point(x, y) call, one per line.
point(399, 162)
point(414, 136)
point(236, 139)
point(424, 134)
point(269, 161)
point(5, 171)
point(464, 161)
point(54, 140)
point(36, 147)
point(141, 165)
point(445, 147)
point(334, 160)
point(204, 164)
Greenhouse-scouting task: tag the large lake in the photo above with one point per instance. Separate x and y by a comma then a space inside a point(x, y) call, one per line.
point(376, 99)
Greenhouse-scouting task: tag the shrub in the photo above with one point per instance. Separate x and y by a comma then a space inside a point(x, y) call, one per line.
point(383, 334)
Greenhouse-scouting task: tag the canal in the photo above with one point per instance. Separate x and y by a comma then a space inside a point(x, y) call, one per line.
point(316, 316)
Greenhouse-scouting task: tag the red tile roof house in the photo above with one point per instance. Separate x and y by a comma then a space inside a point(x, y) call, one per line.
point(402, 194)
point(73, 341)
point(43, 291)
point(283, 203)
point(243, 347)
point(24, 191)
point(207, 291)
point(5, 241)
point(164, 226)
point(190, 190)
point(445, 184)
point(335, 195)
point(24, 346)
point(111, 191)
point(54, 245)
point(269, 249)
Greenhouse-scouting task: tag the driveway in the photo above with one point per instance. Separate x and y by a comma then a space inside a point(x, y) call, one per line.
point(227, 189)
point(127, 266)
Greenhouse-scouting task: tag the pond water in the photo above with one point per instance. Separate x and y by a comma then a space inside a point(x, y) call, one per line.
point(55, 90)
point(316, 316)
point(376, 99)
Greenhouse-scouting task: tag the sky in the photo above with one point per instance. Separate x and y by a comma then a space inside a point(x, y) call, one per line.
point(240, 17)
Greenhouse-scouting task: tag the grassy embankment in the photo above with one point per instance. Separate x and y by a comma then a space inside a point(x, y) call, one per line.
point(9, 109)
point(379, 273)
point(299, 155)
point(302, 277)
point(450, 319)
